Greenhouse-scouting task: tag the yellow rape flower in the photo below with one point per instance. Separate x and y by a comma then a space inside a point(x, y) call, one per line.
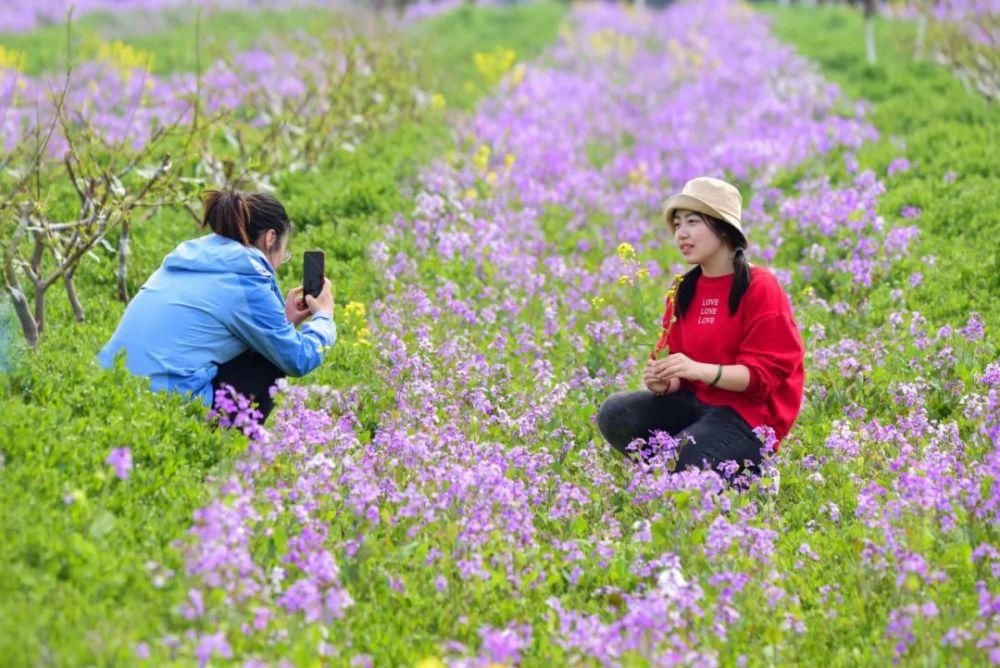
point(437, 101)
point(11, 59)
point(483, 62)
point(482, 158)
point(625, 280)
point(517, 75)
point(597, 302)
point(493, 65)
point(626, 251)
point(639, 175)
point(124, 57)
point(430, 662)
point(599, 42)
point(471, 193)
point(678, 278)
point(606, 41)
point(355, 310)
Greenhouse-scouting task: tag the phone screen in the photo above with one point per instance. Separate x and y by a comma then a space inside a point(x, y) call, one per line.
point(313, 271)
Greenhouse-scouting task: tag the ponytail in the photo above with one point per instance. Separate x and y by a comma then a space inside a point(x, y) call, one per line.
point(244, 217)
point(741, 269)
point(741, 279)
point(685, 291)
point(226, 214)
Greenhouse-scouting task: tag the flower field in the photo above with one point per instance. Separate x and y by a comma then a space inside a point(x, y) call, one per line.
point(438, 493)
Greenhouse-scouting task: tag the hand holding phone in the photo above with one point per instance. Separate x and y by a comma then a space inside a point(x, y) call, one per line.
point(313, 271)
point(296, 309)
point(316, 294)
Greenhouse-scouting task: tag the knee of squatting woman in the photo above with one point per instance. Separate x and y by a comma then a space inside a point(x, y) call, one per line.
point(212, 314)
point(734, 357)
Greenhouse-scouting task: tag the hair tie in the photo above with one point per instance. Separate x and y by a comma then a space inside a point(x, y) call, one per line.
point(739, 253)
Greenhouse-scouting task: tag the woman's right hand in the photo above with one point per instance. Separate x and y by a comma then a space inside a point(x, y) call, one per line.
point(653, 383)
point(322, 303)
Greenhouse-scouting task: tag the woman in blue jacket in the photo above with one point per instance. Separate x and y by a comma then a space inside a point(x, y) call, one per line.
point(212, 314)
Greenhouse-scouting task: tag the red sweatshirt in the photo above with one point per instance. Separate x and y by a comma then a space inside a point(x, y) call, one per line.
point(762, 336)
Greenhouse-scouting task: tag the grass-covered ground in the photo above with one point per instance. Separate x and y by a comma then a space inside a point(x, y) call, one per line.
point(76, 587)
point(949, 134)
point(486, 521)
point(465, 501)
point(169, 37)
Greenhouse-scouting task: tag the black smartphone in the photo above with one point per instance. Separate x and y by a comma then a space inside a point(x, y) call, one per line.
point(313, 271)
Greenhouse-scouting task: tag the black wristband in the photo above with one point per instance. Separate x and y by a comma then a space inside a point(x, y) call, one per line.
point(718, 376)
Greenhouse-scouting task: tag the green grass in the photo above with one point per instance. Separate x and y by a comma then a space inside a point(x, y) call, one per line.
point(75, 588)
point(171, 41)
point(225, 32)
point(923, 113)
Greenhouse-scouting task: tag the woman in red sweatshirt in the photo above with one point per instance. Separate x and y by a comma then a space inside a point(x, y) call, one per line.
point(730, 357)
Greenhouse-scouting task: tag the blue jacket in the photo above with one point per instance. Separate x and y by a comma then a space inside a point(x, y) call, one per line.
point(211, 300)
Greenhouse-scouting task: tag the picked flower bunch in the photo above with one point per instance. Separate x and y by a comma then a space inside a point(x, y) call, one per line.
point(668, 317)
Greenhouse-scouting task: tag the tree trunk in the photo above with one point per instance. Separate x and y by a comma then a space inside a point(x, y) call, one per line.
point(40, 306)
point(36, 273)
point(17, 297)
point(21, 308)
point(123, 249)
point(921, 35)
point(870, 41)
point(869, 6)
point(73, 300)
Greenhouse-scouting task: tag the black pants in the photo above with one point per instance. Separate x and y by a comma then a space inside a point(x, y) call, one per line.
point(252, 375)
point(719, 433)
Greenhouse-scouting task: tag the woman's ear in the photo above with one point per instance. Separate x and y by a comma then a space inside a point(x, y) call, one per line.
point(270, 238)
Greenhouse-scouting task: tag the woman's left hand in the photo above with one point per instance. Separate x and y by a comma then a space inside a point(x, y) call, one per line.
point(680, 365)
point(295, 309)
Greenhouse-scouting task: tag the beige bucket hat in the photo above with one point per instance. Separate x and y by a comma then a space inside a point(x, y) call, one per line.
point(712, 197)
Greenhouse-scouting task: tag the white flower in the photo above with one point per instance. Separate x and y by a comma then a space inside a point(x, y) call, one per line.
point(671, 582)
